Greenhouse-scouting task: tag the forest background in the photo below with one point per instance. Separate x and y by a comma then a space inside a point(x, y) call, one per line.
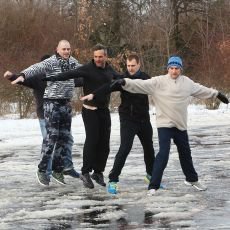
point(197, 30)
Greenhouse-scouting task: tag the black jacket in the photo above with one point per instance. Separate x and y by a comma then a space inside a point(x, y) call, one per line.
point(93, 77)
point(134, 106)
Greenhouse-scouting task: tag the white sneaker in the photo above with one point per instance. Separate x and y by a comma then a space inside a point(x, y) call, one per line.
point(196, 185)
point(151, 192)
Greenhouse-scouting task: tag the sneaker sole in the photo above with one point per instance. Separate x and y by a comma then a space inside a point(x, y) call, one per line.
point(151, 194)
point(85, 185)
point(199, 189)
point(45, 185)
point(59, 181)
point(114, 193)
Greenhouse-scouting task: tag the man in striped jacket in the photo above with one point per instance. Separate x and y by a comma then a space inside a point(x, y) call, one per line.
point(57, 110)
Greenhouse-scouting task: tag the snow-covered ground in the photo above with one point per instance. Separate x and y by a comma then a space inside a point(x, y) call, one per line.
point(24, 204)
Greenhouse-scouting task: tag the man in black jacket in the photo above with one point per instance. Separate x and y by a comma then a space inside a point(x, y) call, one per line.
point(134, 120)
point(95, 114)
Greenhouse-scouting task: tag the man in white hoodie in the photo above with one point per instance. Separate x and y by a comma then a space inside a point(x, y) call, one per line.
point(171, 94)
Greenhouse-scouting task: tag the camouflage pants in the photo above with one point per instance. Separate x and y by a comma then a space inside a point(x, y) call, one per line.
point(58, 124)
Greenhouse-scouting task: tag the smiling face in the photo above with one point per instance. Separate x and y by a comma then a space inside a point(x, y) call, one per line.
point(100, 57)
point(64, 49)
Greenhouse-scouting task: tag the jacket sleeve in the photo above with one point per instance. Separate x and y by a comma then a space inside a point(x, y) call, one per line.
point(140, 86)
point(38, 68)
point(108, 88)
point(115, 74)
point(76, 73)
point(29, 82)
point(203, 92)
point(78, 82)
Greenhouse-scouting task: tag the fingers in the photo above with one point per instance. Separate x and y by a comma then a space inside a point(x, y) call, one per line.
point(88, 97)
point(19, 79)
point(83, 98)
point(7, 74)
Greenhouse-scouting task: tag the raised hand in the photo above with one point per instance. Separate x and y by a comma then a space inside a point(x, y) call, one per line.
point(8, 74)
point(19, 79)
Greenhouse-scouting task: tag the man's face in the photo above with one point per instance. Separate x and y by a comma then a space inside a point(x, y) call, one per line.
point(64, 49)
point(99, 57)
point(174, 72)
point(132, 66)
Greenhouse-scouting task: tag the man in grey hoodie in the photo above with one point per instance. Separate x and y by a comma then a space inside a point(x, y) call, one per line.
point(171, 94)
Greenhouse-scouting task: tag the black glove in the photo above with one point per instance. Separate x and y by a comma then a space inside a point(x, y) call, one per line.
point(222, 98)
point(122, 81)
point(118, 82)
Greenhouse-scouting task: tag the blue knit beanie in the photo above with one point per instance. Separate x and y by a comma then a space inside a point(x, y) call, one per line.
point(175, 61)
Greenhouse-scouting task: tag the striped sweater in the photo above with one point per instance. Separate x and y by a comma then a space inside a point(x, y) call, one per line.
point(51, 67)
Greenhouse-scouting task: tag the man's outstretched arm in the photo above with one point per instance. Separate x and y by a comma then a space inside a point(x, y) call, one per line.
point(65, 76)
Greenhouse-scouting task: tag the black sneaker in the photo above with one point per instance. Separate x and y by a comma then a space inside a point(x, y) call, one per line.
point(72, 172)
point(43, 178)
point(58, 177)
point(99, 178)
point(87, 182)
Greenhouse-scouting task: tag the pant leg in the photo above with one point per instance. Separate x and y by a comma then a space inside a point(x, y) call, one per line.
point(61, 149)
point(91, 122)
point(160, 163)
point(182, 143)
point(128, 131)
point(52, 119)
point(68, 162)
point(42, 127)
point(103, 146)
point(42, 124)
point(145, 135)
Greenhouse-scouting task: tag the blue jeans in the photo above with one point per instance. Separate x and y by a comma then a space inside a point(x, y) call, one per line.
point(68, 163)
point(42, 124)
point(180, 139)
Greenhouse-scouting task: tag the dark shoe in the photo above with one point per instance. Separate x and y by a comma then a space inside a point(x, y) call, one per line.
point(58, 177)
point(72, 172)
point(43, 178)
point(87, 182)
point(99, 178)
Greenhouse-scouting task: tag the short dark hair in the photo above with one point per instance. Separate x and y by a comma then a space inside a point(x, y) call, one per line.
point(100, 47)
point(134, 56)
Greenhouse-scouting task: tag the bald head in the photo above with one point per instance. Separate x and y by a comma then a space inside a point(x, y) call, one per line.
point(64, 49)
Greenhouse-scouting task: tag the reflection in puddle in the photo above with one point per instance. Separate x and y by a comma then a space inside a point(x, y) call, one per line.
point(93, 216)
point(148, 218)
point(122, 223)
point(59, 226)
point(3, 156)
